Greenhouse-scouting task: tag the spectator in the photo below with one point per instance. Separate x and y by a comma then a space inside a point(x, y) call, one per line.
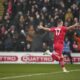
point(8, 43)
point(75, 9)
point(67, 50)
point(9, 9)
point(21, 43)
point(75, 46)
point(77, 39)
point(78, 29)
point(69, 14)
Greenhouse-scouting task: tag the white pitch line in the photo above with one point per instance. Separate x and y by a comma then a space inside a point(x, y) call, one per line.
point(30, 75)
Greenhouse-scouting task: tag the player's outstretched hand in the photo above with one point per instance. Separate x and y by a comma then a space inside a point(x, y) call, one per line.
point(43, 28)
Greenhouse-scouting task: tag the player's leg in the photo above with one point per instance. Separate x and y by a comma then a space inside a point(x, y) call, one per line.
point(69, 55)
point(61, 61)
point(58, 48)
point(62, 64)
point(57, 52)
point(59, 57)
point(55, 56)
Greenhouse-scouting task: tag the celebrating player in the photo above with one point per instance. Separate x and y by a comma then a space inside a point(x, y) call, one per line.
point(59, 34)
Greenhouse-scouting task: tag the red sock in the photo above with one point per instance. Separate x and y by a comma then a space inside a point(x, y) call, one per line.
point(61, 62)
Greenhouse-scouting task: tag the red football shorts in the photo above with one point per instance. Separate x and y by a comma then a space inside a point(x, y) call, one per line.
point(58, 48)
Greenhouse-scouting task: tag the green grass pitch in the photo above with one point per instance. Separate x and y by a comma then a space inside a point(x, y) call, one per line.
point(38, 72)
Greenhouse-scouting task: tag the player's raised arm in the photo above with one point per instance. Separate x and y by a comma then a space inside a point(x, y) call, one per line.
point(43, 28)
point(73, 26)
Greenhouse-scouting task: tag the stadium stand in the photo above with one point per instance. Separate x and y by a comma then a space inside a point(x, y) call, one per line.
point(20, 19)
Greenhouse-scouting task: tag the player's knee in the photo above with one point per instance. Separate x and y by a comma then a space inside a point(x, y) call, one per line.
point(61, 59)
point(55, 57)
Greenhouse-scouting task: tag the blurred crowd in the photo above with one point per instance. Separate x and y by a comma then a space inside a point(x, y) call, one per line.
point(19, 24)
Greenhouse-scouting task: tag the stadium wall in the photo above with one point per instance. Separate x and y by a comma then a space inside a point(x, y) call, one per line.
point(32, 58)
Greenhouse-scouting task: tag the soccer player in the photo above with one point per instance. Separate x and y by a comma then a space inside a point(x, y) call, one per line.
point(59, 34)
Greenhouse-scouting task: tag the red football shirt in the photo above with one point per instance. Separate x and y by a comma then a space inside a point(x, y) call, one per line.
point(59, 34)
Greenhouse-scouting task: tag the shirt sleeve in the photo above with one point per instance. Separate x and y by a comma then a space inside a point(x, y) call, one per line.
point(65, 29)
point(52, 29)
